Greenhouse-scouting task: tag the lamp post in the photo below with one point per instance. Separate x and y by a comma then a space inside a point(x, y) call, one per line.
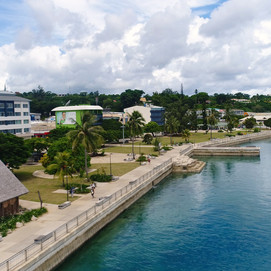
point(110, 166)
point(67, 183)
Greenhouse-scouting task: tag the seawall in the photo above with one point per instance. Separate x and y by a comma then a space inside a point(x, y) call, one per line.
point(58, 251)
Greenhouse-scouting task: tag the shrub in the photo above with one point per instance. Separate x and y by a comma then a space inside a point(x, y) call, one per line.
point(230, 135)
point(9, 222)
point(256, 130)
point(239, 133)
point(101, 178)
point(220, 131)
point(80, 188)
point(142, 158)
point(147, 139)
point(167, 148)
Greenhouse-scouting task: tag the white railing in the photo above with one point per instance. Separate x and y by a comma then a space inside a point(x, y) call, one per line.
point(90, 215)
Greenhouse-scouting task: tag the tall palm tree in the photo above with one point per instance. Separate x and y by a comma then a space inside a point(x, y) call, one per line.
point(61, 165)
point(186, 134)
point(172, 126)
point(87, 134)
point(135, 126)
point(212, 120)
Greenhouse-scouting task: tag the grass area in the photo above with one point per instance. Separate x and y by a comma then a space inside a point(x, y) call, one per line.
point(48, 186)
point(138, 150)
point(194, 138)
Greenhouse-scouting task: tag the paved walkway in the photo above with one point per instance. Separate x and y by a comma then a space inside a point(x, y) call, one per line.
point(24, 236)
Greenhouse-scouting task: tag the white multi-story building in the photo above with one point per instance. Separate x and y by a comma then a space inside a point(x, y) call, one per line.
point(14, 114)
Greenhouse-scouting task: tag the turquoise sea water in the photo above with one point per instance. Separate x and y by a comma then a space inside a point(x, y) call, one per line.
point(219, 219)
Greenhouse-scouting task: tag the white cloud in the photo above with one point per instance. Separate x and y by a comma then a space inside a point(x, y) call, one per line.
point(150, 45)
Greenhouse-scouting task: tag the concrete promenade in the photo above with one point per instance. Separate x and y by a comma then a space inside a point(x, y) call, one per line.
point(24, 236)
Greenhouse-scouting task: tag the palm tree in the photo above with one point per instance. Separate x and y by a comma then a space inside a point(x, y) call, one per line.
point(87, 134)
point(212, 120)
point(135, 126)
point(172, 125)
point(61, 165)
point(186, 134)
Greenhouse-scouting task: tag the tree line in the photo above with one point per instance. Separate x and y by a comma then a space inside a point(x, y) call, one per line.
point(44, 101)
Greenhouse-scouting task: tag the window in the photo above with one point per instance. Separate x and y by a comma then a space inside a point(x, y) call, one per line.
point(8, 122)
point(25, 113)
point(2, 122)
point(9, 114)
point(2, 114)
point(17, 114)
point(17, 105)
point(18, 131)
point(25, 105)
point(18, 122)
point(10, 105)
point(26, 130)
point(2, 105)
point(26, 121)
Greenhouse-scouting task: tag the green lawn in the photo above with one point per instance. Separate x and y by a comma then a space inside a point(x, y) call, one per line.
point(47, 186)
point(126, 149)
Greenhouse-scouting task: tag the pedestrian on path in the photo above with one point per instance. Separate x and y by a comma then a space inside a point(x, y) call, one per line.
point(92, 192)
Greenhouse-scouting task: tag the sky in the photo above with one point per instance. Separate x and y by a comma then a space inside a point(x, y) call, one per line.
point(215, 46)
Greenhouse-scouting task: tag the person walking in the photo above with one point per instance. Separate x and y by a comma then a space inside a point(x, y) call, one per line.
point(92, 192)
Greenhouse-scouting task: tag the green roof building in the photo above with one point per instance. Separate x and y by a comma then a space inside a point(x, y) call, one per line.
point(67, 115)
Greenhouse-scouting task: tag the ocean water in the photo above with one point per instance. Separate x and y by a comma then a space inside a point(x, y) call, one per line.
point(219, 219)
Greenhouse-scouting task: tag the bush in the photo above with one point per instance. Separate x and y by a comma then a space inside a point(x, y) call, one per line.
point(167, 148)
point(147, 139)
point(80, 188)
point(239, 133)
point(220, 131)
point(141, 158)
point(9, 222)
point(101, 178)
point(256, 130)
point(230, 135)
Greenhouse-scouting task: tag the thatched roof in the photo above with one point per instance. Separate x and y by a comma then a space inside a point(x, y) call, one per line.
point(10, 186)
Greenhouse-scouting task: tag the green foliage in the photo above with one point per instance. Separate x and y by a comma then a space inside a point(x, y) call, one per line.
point(13, 150)
point(152, 127)
point(256, 130)
point(9, 222)
point(230, 135)
point(249, 123)
point(239, 133)
point(167, 148)
point(80, 188)
point(130, 97)
point(58, 133)
point(147, 139)
point(101, 178)
point(156, 144)
point(141, 158)
point(267, 122)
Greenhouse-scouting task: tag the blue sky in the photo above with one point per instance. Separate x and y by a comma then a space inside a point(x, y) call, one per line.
point(110, 46)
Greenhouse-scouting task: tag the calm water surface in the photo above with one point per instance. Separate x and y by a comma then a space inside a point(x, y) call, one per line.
point(217, 220)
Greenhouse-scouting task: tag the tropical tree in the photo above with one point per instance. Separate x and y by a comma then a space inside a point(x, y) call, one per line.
point(135, 126)
point(152, 127)
point(172, 126)
point(13, 151)
point(186, 134)
point(62, 165)
point(86, 134)
point(212, 121)
point(250, 123)
point(267, 122)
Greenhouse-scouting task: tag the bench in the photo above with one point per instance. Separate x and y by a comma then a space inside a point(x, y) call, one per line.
point(64, 205)
point(43, 238)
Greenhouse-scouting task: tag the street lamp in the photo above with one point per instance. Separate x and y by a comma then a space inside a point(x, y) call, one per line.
point(110, 166)
point(67, 184)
